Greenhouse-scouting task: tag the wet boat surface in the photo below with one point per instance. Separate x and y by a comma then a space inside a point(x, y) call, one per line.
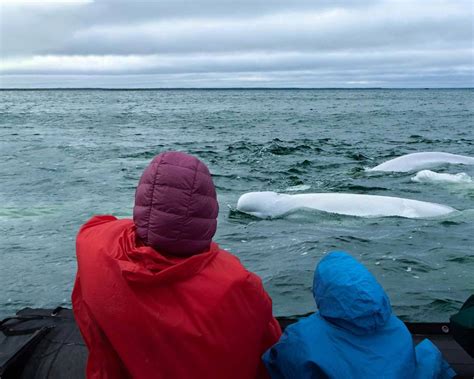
point(46, 343)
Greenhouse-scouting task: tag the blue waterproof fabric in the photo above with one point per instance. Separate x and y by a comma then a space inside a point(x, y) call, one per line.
point(354, 334)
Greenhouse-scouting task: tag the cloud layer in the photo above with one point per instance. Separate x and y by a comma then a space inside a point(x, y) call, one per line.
point(237, 44)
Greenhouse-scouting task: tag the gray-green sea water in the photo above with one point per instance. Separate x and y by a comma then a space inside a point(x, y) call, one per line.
point(66, 155)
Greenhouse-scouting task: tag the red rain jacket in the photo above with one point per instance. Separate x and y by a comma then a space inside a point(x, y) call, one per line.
point(147, 315)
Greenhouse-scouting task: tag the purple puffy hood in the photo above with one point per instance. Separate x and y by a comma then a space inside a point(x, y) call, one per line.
point(175, 205)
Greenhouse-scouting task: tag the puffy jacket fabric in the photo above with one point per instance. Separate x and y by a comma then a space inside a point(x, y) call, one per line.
point(354, 334)
point(147, 315)
point(175, 205)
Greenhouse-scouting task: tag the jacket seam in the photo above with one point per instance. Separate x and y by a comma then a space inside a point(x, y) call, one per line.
point(177, 214)
point(190, 199)
point(152, 199)
point(196, 169)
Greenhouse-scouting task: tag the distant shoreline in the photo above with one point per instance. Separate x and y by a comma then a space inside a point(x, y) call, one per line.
point(235, 89)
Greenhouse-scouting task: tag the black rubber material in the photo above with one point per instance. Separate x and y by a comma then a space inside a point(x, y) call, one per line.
point(42, 343)
point(46, 343)
point(462, 325)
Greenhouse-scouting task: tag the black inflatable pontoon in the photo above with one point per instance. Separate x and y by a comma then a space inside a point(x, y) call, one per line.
point(46, 343)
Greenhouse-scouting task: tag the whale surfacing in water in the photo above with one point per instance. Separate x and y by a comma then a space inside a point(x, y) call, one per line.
point(427, 176)
point(418, 161)
point(271, 204)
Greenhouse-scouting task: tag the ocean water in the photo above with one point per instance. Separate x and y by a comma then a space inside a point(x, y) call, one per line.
point(66, 155)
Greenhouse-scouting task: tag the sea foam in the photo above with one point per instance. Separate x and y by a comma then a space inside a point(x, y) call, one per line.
point(428, 176)
point(298, 188)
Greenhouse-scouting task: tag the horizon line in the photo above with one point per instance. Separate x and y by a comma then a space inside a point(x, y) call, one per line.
point(219, 88)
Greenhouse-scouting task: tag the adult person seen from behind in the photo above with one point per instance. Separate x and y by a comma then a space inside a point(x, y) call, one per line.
point(353, 335)
point(155, 297)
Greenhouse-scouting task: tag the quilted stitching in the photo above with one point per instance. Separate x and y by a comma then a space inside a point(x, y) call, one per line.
point(176, 209)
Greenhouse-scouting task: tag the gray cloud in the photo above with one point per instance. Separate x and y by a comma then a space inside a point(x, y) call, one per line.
point(244, 43)
point(44, 28)
point(411, 60)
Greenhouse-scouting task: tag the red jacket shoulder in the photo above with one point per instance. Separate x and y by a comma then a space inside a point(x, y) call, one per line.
point(102, 220)
point(247, 279)
point(97, 220)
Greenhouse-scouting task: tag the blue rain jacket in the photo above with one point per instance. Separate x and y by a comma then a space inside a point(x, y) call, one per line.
point(354, 334)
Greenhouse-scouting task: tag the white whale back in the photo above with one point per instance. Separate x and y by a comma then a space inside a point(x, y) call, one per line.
point(418, 161)
point(272, 204)
point(427, 176)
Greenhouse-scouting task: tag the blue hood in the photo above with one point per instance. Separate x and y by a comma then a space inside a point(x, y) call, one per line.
point(354, 334)
point(348, 295)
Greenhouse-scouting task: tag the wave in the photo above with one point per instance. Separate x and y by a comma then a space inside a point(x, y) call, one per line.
point(298, 188)
point(15, 212)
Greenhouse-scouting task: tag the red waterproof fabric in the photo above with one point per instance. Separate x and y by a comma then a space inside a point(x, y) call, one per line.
point(146, 315)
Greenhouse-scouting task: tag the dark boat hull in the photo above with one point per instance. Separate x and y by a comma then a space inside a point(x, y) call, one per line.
point(46, 343)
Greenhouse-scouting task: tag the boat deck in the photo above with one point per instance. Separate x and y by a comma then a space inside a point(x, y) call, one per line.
point(40, 343)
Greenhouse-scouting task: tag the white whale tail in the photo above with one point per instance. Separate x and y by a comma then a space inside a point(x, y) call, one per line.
point(272, 204)
point(419, 161)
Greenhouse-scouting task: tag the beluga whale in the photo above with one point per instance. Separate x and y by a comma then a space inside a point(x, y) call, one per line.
point(422, 160)
point(428, 176)
point(269, 204)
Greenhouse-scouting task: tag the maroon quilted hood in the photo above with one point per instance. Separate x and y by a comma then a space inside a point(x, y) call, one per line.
point(175, 205)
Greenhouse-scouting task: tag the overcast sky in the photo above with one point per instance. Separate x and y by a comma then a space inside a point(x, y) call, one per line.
point(237, 43)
